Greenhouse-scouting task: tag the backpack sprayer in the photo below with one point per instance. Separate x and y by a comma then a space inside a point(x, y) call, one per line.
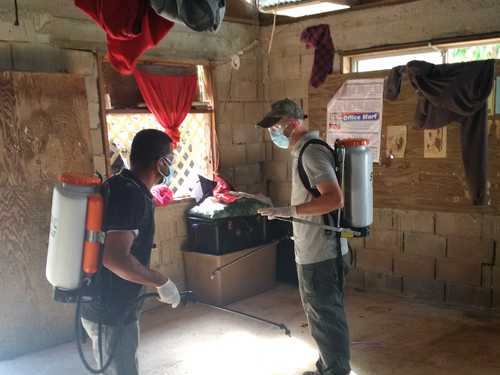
point(75, 255)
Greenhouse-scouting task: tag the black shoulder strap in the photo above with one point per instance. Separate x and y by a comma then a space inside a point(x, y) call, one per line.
point(305, 180)
point(302, 172)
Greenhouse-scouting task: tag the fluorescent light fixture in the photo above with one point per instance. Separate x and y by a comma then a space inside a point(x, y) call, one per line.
point(302, 9)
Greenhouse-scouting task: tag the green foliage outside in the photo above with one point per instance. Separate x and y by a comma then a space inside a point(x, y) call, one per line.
point(476, 53)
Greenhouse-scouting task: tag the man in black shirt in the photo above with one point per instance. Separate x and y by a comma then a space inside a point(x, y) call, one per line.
point(129, 227)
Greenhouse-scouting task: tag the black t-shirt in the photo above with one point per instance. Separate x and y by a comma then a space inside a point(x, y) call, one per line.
point(128, 206)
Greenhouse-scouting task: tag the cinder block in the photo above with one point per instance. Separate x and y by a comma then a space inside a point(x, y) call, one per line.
point(356, 279)
point(232, 156)
point(91, 89)
point(275, 170)
point(165, 230)
point(227, 174)
point(296, 88)
point(244, 134)
point(230, 113)
point(383, 283)
point(374, 261)
point(247, 70)
point(281, 154)
point(96, 141)
point(269, 150)
point(280, 193)
point(155, 258)
point(244, 90)
point(224, 134)
point(38, 58)
point(100, 164)
point(469, 296)
point(94, 115)
point(422, 267)
point(414, 221)
point(5, 57)
point(496, 277)
point(357, 243)
point(423, 289)
point(275, 90)
point(291, 67)
point(491, 226)
point(460, 273)
point(257, 188)
point(382, 218)
point(470, 249)
point(458, 224)
point(424, 244)
point(256, 152)
point(306, 65)
point(247, 174)
point(496, 299)
point(386, 240)
point(254, 112)
point(80, 62)
point(180, 226)
point(487, 276)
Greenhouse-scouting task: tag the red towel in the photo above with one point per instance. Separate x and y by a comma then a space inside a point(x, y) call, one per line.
point(162, 195)
point(221, 191)
point(319, 37)
point(131, 27)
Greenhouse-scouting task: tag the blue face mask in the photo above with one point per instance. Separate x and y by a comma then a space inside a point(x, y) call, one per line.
point(166, 176)
point(166, 179)
point(279, 138)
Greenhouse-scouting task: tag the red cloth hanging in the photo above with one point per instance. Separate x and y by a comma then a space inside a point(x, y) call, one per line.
point(169, 98)
point(131, 27)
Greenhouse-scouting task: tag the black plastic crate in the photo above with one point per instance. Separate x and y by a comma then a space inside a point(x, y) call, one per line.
point(223, 236)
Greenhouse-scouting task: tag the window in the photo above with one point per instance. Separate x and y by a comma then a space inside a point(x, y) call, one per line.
point(192, 155)
point(437, 54)
point(126, 115)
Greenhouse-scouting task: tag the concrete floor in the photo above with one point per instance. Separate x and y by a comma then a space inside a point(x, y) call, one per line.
point(390, 336)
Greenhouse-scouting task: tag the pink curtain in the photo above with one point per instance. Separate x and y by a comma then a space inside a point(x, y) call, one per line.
point(169, 98)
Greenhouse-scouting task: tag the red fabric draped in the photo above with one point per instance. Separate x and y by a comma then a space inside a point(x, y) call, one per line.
point(131, 27)
point(169, 98)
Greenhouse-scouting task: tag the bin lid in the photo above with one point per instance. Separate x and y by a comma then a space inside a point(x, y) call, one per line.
point(79, 179)
point(352, 142)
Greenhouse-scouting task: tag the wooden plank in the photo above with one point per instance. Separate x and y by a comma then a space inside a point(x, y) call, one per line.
point(44, 128)
point(414, 182)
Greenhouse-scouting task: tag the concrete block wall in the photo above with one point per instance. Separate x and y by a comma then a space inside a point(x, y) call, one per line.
point(444, 257)
point(238, 107)
point(439, 256)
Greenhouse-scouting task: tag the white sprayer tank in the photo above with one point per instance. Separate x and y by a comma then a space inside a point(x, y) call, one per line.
point(357, 182)
point(67, 235)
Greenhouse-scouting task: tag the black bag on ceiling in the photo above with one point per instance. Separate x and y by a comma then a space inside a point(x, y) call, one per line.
point(198, 15)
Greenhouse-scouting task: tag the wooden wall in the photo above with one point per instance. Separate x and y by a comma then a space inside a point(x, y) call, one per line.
point(44, 126)
point(415, 182)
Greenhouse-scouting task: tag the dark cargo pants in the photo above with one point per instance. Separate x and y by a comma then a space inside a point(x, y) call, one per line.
point(323, 301)
point(125, 350)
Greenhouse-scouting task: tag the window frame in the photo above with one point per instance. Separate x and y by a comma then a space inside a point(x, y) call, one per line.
point(104, 111)
point(349, 59)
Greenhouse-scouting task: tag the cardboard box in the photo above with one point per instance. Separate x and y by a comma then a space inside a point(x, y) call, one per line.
point(253, 273)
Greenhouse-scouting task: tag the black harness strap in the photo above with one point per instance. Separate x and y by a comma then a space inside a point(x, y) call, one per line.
point(315, 193)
